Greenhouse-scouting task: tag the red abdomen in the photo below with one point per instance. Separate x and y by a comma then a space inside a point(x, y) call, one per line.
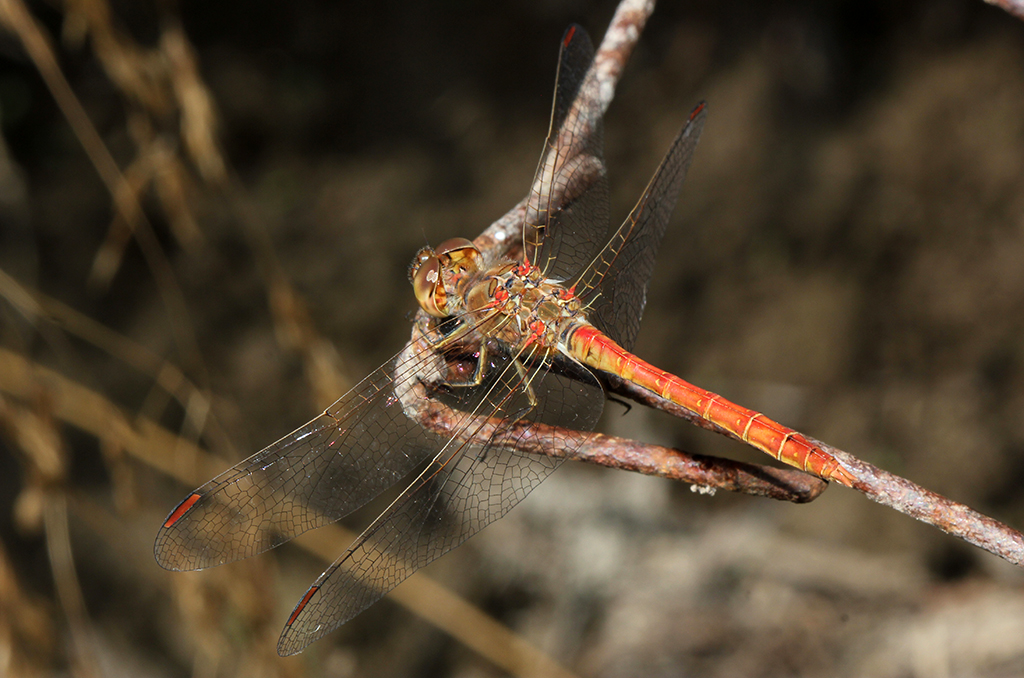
point(594, 349)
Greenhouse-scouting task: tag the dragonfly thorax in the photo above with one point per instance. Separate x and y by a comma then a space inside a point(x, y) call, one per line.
point(523, 307)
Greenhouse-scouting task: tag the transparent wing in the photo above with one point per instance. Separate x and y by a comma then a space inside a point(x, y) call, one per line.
point(567, 211)
point(362, 445)
point(464, 488)
point(616, 281)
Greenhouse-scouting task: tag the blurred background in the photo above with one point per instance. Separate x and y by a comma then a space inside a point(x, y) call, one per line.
point(848, 257)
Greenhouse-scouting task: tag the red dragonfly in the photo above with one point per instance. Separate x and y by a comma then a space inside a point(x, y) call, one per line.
point(508, 351)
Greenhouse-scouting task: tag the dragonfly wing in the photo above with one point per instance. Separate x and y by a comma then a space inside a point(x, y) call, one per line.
point(466, 487)
point(363, 444)
point(567, 211)
point(618, 278)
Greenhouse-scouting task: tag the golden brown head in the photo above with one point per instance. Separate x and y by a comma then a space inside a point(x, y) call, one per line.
point(430, 267)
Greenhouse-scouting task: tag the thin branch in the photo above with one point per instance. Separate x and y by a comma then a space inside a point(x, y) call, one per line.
point(932, 508)
point(502, 239)
point(629, 455)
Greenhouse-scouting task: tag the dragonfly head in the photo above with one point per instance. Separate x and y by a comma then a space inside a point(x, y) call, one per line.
point(431, 268)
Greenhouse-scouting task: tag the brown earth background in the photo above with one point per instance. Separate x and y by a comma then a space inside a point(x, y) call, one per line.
point(848, 257)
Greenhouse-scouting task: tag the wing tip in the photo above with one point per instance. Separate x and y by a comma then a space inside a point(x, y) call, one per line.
point(569, 32)
point(698, 111)
point(290, 642)
point(167, 558)
point(164, 551)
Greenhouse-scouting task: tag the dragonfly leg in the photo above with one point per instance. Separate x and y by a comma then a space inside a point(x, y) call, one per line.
point(531, 397)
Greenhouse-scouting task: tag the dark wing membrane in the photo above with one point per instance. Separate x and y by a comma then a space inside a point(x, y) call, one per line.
point(616, 281)
point(362, 445)
point(466, 487)
point(567, 211)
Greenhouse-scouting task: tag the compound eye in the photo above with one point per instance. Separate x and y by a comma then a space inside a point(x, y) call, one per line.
point(424, 254)
point(460, 252)
point(426, 284)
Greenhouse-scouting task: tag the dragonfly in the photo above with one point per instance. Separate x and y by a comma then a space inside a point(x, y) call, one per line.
point(508, 356)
